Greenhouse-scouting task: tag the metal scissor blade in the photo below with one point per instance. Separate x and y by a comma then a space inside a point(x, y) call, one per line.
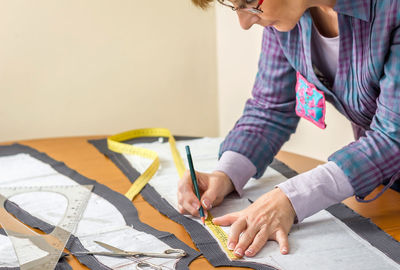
point(103, 253)
point(168, 253)
point(109, 247)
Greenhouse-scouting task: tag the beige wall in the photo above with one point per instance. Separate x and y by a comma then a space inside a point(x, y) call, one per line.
point(80, 67)
point(238, 52)
point(101, 67)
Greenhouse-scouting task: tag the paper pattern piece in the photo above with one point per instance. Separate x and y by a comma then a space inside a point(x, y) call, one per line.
point(320, 242)
point(101, 221)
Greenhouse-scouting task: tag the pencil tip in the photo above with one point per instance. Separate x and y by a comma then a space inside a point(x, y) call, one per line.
point(203, 220)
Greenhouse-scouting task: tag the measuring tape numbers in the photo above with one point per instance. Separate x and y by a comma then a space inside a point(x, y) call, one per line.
point(116, 143)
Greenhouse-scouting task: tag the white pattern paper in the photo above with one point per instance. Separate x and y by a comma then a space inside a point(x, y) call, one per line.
point(319, 242)
point(101, 220)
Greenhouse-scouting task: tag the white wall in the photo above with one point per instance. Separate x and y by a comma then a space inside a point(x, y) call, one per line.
point(73, 67)
point(237, 52)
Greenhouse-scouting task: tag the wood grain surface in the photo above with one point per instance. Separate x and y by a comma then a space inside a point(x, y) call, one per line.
point(81, 156)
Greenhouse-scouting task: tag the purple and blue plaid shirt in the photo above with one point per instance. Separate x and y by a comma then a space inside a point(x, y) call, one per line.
point(366, 90)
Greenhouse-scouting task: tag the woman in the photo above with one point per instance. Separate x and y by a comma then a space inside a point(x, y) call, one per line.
point(341, 51)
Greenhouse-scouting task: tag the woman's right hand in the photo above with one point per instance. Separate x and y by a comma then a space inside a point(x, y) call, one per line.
point(213, 188)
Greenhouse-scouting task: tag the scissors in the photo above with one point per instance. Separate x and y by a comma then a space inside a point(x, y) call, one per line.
point(116, 252)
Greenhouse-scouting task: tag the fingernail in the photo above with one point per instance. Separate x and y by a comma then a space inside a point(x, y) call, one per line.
point(231, 246)
point(249, 252)
point(239, 252)
point(195, 205)
point(284, 250)
point(206, 203)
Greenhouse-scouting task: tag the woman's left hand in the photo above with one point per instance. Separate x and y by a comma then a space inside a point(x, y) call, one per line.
point(270, 217)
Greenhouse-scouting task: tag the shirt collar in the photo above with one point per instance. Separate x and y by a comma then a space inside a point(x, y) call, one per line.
point(356, 8)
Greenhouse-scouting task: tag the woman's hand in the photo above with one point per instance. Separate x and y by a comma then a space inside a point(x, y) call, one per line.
point(270, 217)
point(213, 187)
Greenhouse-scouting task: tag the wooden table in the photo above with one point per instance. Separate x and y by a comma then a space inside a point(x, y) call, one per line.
point(81, 156)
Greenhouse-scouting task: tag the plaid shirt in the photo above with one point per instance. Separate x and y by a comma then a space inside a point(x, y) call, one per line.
point(366, 90)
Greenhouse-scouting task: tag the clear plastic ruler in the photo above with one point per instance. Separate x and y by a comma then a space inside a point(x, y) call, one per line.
point(42, 251)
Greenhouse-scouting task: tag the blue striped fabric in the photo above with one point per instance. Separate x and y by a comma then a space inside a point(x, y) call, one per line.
point(366, 90)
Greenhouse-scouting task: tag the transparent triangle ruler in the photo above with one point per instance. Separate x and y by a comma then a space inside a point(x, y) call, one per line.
point(42, 251)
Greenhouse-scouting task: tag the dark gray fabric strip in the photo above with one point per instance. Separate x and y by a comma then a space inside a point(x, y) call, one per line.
point(364, 227)
point(283, 169)
point(61, 265)
point(200, 236)
point(203, 240)
point(360, 225)
point(12, 208)
point(74, 245)
point(124, 206)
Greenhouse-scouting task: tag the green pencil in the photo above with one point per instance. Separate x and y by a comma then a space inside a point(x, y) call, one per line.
point(194, 181)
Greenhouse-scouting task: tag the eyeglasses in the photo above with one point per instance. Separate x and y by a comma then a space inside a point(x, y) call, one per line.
point(254, 10)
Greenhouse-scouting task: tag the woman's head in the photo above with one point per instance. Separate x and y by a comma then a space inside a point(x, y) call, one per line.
point(281, 14)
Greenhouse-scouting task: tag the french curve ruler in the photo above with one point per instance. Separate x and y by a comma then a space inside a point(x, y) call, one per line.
point(36, 251)
point(116, 143)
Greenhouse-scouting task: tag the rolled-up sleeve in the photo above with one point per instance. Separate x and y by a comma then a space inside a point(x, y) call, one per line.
point(317, 189)
point(238, 167)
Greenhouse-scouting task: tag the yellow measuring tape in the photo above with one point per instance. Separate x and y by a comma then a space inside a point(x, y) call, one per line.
point(116, 144)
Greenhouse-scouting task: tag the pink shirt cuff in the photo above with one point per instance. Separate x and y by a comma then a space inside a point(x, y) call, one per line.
point(238, 167)
point(317, 189)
